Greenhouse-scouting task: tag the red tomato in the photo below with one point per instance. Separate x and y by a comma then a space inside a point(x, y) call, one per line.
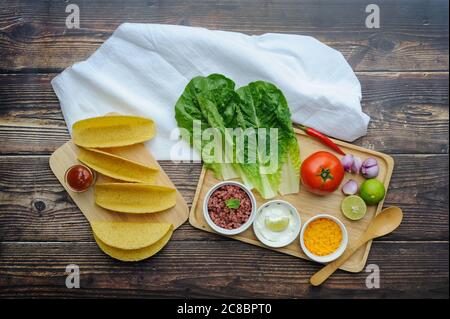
point(322, 173)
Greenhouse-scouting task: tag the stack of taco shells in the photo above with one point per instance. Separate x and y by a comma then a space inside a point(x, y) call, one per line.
point(132, 189)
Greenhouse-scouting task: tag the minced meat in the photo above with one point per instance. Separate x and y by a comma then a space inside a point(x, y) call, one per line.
point(225, 217)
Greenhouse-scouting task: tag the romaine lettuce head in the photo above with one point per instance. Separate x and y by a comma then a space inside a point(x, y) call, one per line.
point(257, 141)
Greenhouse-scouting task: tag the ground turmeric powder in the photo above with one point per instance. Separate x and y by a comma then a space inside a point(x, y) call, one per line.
point(322, 237)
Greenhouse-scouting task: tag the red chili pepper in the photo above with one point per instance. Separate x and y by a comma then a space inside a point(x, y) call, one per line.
point(323, 138)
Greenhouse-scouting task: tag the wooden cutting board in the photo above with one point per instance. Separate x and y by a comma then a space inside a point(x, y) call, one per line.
point(66, 156)
point(307, 204)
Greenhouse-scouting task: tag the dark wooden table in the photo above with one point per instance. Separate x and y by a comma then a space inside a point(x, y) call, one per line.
point(403, 69)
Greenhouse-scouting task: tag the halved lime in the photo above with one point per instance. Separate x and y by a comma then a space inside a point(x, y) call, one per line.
point(277, 224)
point(372, 191)
point(353, 207)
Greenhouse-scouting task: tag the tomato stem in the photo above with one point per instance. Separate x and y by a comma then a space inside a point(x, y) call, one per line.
point(325, 174)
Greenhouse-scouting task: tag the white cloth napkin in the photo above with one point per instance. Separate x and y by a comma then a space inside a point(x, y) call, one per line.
point(142, 69)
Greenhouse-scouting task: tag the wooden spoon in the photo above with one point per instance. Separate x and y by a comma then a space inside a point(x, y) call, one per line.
point(384, 223)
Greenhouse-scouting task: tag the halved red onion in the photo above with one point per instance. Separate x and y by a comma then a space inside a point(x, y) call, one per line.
point(350, 187)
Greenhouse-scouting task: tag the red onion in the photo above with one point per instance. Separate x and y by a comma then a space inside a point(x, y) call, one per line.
point(350, 187)
point(370, 168)
point(347, 162)
point(356, 166)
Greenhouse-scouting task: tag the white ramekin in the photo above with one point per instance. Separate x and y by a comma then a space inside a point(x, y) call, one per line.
point(296, 217)
point(219, 229)
point(337, 253)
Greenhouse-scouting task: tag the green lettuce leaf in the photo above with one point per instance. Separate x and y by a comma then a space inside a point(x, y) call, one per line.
point(211, 101)
point(263, 105)
point(269, 166)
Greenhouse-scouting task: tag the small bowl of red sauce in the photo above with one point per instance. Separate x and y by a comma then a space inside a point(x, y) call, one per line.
point(79, 178)
point(229, 208)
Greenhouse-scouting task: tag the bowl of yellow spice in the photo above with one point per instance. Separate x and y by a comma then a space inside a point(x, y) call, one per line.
point(323, 238)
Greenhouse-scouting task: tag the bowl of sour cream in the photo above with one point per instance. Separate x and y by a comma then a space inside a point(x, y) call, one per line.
point(277, 223)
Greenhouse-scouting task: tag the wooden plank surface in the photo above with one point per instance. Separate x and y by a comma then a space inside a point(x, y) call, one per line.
point(409, 113)
point(35, 206)
point(403, 69)
point(188, 269)
point(414, 33)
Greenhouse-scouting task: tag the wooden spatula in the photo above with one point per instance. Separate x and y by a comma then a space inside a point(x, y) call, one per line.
point(384, 223)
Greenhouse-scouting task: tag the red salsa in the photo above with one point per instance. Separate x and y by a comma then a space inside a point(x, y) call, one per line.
point(79, 178)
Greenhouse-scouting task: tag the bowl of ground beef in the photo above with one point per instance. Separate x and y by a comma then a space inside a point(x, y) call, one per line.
point(229, 208)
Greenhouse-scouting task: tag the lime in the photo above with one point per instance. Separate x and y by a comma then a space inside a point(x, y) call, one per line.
point(353, 207)
point(372, 191)
point(277, 224)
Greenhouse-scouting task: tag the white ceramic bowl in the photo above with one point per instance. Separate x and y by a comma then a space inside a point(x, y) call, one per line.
point(219, 229)
point(281, 243)
point(337, 253)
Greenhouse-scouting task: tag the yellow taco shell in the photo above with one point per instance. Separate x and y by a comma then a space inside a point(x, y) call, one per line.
point(136, 254)
point(112, 131)
point(117, 167)
point(134, 198)
point(129, 235)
